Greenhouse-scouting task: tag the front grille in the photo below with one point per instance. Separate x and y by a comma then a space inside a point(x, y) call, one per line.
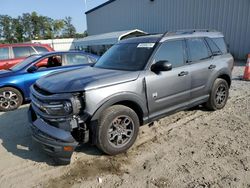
point(41, 91)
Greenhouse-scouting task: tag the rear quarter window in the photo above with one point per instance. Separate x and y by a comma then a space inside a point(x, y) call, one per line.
point(4, 53)
point(220, 42)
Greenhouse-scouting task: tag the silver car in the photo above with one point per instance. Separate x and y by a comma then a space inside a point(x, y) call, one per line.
point(137, 81)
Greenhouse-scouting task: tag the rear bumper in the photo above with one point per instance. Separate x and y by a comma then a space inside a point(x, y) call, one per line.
point(55, 142)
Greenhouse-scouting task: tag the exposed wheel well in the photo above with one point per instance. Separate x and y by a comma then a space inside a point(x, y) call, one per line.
point(227, 78)
point(16, 89)
point(134, 106)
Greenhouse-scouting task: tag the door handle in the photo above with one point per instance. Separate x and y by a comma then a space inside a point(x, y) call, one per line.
point(212, 67)
point(183, 73)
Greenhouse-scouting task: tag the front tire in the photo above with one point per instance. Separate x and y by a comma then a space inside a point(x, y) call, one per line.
point(219, 95)
point(10, 99)
point(117, 129)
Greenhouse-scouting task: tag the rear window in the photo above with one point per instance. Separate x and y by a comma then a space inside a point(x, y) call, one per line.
point(4, 53)
point(220, 42)
point(23, 51)
point(40, 49)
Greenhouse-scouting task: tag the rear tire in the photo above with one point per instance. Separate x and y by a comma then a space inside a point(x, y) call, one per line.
point(117, 129)
point(10, 99)
point(218, 96)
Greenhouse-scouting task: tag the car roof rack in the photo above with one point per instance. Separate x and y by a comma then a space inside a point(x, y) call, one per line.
point(189, 31)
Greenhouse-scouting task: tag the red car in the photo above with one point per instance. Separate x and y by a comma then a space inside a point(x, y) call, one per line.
point(11, 54)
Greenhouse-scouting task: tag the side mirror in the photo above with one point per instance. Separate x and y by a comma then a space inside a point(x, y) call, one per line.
point(161, 66)
point(32, 69)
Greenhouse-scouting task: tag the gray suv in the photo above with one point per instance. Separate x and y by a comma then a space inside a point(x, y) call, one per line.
point(137, 81)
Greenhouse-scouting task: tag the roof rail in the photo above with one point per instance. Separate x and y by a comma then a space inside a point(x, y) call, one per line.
point(189, 31)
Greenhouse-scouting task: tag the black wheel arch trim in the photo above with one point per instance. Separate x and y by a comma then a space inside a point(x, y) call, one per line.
point(121, 98)
point(220, 74)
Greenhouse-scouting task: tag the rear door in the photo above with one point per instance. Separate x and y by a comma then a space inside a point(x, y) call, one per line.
point(202, 66)
point(169, 90)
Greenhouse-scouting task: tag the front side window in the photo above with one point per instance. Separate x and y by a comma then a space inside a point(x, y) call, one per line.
point(197, 50)
point(23, 51)
point(171, 51)
point(126, 56)
point(76, 59)
point(4, 53)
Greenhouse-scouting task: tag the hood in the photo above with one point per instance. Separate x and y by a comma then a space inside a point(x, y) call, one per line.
point(4, 73)
point(84, 79)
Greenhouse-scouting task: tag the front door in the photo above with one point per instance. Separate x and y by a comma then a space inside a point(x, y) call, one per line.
point(168, 91)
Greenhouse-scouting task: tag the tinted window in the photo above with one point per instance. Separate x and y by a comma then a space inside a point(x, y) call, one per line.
point(40, 49)
point(76, 59)
point(172, 52)
point(214, 48)
point(221, 44)
point(23, 51)
point(4, 53)
point(126, 56)
point(197, 49)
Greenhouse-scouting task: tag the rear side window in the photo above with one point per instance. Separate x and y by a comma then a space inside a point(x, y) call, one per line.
point(76, 59)
point(214, 48)
point(40, 49)
point(23, 51)
point(220, 42)
point(4, 53)
point(171, 51)
point(197, 50)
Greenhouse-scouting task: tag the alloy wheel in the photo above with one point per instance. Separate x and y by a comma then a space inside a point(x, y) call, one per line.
point(8, 100)
point(121, 131)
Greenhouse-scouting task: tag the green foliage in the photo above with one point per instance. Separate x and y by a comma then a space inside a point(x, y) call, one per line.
point(69, 29)
point(32, 26)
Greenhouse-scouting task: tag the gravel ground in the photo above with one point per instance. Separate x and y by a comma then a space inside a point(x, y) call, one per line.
point(193, 148)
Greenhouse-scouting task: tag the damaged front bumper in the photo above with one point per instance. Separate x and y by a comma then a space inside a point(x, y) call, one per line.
point(58, 143)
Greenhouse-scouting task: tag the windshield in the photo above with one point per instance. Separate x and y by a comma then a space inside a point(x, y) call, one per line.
point(25, 62)
point(126, 56)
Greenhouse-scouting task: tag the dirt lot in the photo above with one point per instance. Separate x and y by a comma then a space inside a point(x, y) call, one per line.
point(193, 148)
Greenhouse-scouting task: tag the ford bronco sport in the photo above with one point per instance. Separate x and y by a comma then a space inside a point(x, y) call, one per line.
point(137, 81)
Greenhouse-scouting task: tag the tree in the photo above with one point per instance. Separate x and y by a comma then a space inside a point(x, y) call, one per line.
point(30, 26)
point(69, 29)
point(26, 21)
point(6, 27)
point(18, 29)
point(57, 25)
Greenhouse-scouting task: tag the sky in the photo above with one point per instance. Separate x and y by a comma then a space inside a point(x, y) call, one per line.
point(56, 9)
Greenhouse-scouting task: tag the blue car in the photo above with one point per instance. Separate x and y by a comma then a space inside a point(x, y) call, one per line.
point(15, 82)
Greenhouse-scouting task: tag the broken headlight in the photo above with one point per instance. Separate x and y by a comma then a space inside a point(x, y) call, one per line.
point(58, 108)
